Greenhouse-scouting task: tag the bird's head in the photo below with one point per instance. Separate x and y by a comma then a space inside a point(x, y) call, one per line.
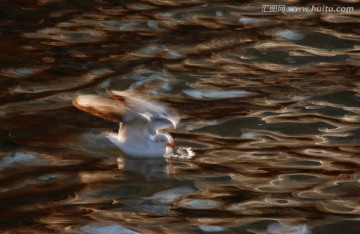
point(164, 140)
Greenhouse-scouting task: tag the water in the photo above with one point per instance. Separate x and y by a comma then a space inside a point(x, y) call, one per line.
point(270, 105)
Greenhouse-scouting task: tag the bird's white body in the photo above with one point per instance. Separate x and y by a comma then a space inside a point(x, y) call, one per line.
point(140, 122)
point(135, 149)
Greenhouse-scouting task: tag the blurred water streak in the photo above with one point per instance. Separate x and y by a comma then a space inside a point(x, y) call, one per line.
point(270, 104)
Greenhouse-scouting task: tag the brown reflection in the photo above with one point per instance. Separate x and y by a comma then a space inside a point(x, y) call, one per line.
point(269, 103)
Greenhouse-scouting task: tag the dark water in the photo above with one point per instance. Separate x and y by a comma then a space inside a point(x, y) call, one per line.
point(270, 103)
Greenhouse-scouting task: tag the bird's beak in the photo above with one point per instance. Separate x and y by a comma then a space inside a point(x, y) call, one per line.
point(171, 144)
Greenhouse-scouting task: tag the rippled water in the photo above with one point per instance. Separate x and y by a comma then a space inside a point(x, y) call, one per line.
point(270, 104)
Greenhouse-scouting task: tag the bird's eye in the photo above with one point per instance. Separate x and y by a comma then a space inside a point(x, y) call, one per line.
point(160, 140)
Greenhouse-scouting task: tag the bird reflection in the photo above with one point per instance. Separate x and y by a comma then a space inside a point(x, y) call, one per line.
point(155, 168)
point(150, 168)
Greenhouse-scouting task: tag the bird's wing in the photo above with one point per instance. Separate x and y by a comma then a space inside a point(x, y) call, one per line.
point(102, 107)
point(137, 101)
point(161, 116)
point(135, 125)
point(135, 131)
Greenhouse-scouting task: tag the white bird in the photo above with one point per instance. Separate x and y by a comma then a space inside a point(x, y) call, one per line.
point(140, 118)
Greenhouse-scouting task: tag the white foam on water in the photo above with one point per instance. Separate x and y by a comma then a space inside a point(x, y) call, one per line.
point(153, 24)
point(19, 159)
point(47, 177)
point(201, 204)
point(288, 34)
point(245, 20)
point(235, 207)
point(23, 71)
point(173, 54)
point(183, 153)
point(250, 135)
point(150, 49)
point(219, 13)
point(101, 228)
point(157, 50)
point(121, 26)
point(282, 228)
point(217, 94)
point(208, 228)
point(171, 195)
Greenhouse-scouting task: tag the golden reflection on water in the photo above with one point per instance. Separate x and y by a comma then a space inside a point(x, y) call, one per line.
point(269, 103)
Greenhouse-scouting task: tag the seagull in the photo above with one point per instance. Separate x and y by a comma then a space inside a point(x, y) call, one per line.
point(141, 121)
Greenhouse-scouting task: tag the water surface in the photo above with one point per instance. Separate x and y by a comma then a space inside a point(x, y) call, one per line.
point(270, 104)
